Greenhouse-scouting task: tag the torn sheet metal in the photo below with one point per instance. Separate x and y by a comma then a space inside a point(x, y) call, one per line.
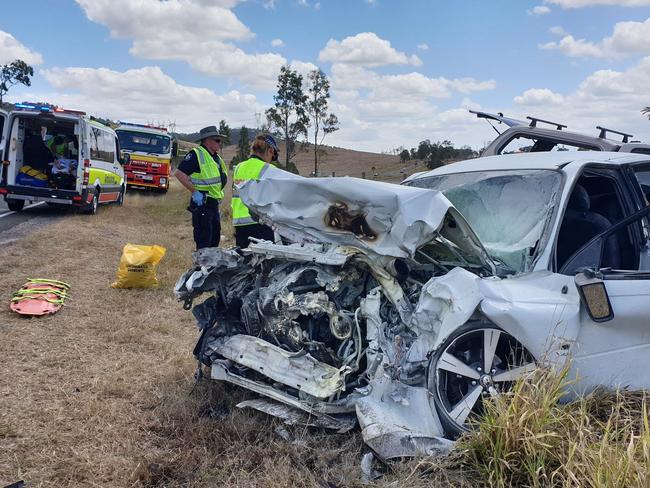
point(340, 423)
point(300, 371)
point(397, 421)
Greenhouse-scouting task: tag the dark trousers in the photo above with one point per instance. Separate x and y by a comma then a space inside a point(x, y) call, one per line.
point(259, 231)
point(207, 224)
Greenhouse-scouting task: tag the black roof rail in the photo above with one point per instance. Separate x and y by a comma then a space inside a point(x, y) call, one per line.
point(534, 120)
point(605, 130)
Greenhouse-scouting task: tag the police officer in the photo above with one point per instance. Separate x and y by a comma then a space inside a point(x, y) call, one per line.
point(264, 150)
point(204, 174)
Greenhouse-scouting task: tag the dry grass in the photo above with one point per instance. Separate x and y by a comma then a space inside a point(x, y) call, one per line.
point(528, 438)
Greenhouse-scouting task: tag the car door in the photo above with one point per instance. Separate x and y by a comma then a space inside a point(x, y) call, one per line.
point(4, 117)
point(614, 349)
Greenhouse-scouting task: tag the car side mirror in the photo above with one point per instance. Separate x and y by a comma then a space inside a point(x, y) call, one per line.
point(594, 297)
point(125, 159)
point(174, 149)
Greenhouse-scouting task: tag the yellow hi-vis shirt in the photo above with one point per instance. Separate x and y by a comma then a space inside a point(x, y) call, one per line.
point(208, 180)
point(251, 169)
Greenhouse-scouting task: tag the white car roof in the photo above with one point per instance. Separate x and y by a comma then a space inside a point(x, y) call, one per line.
point(540, 160)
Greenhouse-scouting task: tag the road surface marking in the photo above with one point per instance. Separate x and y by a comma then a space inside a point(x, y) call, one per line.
point(28, 206)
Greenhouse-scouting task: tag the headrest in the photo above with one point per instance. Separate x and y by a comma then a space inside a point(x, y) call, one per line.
point(579, 199)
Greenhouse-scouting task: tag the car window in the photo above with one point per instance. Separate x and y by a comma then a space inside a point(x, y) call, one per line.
point(643, 178)
point(594, 254)
point(594, 206)
point(102, 145)
point(508, 210)
point(528, 143)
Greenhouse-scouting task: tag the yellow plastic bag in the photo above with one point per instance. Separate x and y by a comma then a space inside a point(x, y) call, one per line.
point(138, 266)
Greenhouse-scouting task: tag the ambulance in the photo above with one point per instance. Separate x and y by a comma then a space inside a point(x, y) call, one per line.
point(58, 156)
point(150, 150)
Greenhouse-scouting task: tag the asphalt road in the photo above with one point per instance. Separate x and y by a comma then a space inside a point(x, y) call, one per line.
point(9, 219)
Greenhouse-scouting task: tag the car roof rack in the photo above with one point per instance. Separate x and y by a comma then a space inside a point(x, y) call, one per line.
point(605, 130)
point(534, 120)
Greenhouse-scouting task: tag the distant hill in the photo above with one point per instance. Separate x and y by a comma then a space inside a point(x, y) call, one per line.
point(347, 162)
point(337, 160)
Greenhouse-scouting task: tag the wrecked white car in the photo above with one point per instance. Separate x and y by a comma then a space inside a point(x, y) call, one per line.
point(403, 307)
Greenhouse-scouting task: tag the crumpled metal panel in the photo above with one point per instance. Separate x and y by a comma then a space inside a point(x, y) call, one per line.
point(341, 423)
point(398, 420)
point(300, 371)
point(379, 218)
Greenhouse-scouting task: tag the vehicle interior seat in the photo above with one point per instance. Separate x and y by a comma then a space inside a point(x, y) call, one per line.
point(580, 225)
point(36, 154)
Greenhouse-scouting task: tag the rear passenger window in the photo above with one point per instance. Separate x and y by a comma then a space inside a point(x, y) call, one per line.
point(102, 145)
point(108, 146)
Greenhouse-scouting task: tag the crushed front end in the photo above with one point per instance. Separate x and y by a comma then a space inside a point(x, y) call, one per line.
point(335, 328)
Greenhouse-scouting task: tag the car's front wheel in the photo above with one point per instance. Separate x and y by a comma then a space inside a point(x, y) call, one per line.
point(476, 361)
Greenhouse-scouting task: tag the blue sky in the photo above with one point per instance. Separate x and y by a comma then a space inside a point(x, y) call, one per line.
point(400, 71)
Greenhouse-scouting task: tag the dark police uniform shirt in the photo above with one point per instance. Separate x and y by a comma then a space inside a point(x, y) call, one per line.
point(190, 164)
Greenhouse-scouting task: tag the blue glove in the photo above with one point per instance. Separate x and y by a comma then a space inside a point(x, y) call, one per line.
point(197, 198)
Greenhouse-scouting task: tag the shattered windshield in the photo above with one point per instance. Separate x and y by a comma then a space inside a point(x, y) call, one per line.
point(508, 210)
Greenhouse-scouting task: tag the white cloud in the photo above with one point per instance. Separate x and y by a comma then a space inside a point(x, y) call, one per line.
point(199, 32)
point(592, 3)
point(303, 68)
point(393, 110)
point(606, 97)
point(365, 49)
point(558, 30)
point(277, 43)
point(539, 10)
point(11, 49)
point(423, 47)
point(145, 94)
point(627, 39)
point(371, 2)
point(539, 97)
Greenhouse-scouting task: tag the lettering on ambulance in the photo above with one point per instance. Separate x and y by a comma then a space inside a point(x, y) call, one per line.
point(105, 178)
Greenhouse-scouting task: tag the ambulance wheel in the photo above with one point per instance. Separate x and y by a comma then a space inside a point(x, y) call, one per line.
point(120, 199)
point(15, 205)
point(91, 209)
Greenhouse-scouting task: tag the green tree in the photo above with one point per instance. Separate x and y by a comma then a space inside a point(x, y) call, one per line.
point(646, 111)
point(243, 147)
point(289, 114)
point(317, 107)
point(11, 74)
point(405, 155)
point(224, 130)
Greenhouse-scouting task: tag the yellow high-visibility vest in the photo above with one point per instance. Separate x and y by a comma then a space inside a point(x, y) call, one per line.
point(208, 180)
point(251, 169)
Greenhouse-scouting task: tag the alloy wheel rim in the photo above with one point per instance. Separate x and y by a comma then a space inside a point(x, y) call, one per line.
point(479, 363)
